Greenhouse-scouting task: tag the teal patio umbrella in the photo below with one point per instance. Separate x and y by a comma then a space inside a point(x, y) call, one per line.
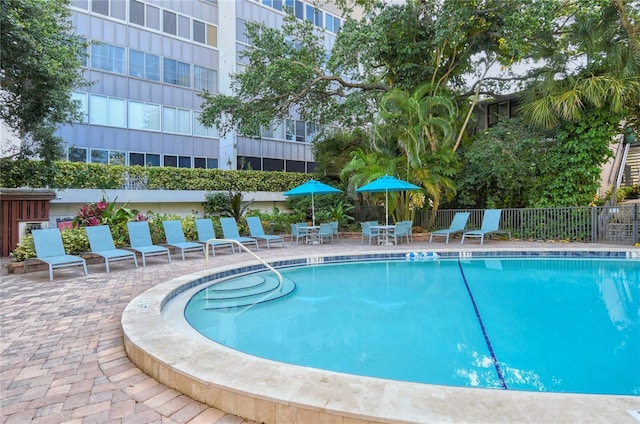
point(312, 187)
point(384, 185)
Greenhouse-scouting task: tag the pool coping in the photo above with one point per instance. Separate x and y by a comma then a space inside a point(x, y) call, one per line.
point(271, 392)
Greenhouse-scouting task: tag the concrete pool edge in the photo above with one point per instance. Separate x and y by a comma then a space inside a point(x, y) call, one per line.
point(270, 392)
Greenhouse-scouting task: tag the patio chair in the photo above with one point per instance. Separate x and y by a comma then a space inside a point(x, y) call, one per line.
point(175, 238)
point(207, 235)
point(325, 232)
point(334, 228)
point(101, 243)
point(458, 224)
point(299, 231)
point(50, 250)
point(410, 229)
point(230, 231)
point(257, 232)
point(140, 241)
point(368, 232)
point(490, 225)
point(402, 230)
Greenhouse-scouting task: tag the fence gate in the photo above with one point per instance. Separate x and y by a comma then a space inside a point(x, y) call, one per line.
point(23, 210)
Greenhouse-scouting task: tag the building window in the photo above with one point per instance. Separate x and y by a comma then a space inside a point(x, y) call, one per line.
point(119, 10)
point(241, 31)
point(99, 156)
point(200, 163)
point(117, 157)
point(295, 166)
point(77, 154)
point(144, 65)
point(184, 162)
point(152, 160)
point(144, 116)
point(212, 36)
point(184, 27)
point(176, 120)
point(310, 13)
point(153, 17)
point(201, 130)
point(136, 12)
point(107, 57)
point(177, 73)
point(170, 161)
point(80, 99)
point(104, 110)
point(299, 9)
point(100, 6)
point(136, 159)
point(168, 22)
point(199, 32)
point(273, 164)
point(290, 129)
point(204, 79)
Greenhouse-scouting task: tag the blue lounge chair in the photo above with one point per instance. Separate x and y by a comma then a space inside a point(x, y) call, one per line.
point(50, 250)
point(490, 225)
point(457, 226)
point(140, 240)
point(207, 235)
point(299, 231)
point(230, 232)
point(175, 238)
point(257, 232)
point(101, 243)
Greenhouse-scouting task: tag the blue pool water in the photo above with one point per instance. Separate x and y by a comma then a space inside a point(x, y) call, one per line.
point(557, 325)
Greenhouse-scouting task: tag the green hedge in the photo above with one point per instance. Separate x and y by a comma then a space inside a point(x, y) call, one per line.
point(21, 173)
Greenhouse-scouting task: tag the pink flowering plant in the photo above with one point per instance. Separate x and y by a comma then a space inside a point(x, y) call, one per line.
point(102, 213)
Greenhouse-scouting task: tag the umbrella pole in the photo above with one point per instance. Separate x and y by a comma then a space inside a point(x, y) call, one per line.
point(386, 206)
point(313, 211)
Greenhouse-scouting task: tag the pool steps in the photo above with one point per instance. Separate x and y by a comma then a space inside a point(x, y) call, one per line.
point(244, 291)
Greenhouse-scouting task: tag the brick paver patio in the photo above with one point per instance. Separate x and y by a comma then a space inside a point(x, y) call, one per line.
point(62, 358)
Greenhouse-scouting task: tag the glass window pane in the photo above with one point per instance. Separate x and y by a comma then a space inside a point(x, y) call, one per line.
point(170, 160)
point(99, 156)
point(200, 163)
point(152, 160)
point(169, 22)
point(77, 154)
point(300, 130)
point(136, 159)
point(152, 117)
point(309, 14)
point(153, 17)
point(98, 110)
point(277, 4)
point(81, 100)
point(184, 162)
point(117, 157)
point(199, 34)
point(136, 12)
point(184, 27)
point(184, 121)
point(100, 6)
point(212, 35)
point(299, 9)
point(118, 10)
point(80, 4)
point(117, 115)
point(168, 119)
point(241, 31)
point(136, 63)
point(212, 163)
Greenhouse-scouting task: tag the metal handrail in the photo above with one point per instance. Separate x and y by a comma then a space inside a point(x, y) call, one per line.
point(237, 243)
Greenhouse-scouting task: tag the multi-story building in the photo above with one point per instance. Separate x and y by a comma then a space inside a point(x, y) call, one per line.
point(147, 62)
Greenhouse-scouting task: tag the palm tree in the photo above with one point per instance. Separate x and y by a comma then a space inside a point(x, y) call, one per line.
point(423, 124)
point(606, 41)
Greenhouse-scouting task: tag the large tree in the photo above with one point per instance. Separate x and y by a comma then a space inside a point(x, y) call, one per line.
point(40, 59)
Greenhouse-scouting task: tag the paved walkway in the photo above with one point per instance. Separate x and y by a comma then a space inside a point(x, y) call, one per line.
point(61, 353)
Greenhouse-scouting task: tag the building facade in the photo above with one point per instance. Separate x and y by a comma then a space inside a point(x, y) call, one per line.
point(147, 62)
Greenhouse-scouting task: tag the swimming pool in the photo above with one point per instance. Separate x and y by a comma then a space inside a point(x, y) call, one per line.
point(558, 325)
point(161, 343)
